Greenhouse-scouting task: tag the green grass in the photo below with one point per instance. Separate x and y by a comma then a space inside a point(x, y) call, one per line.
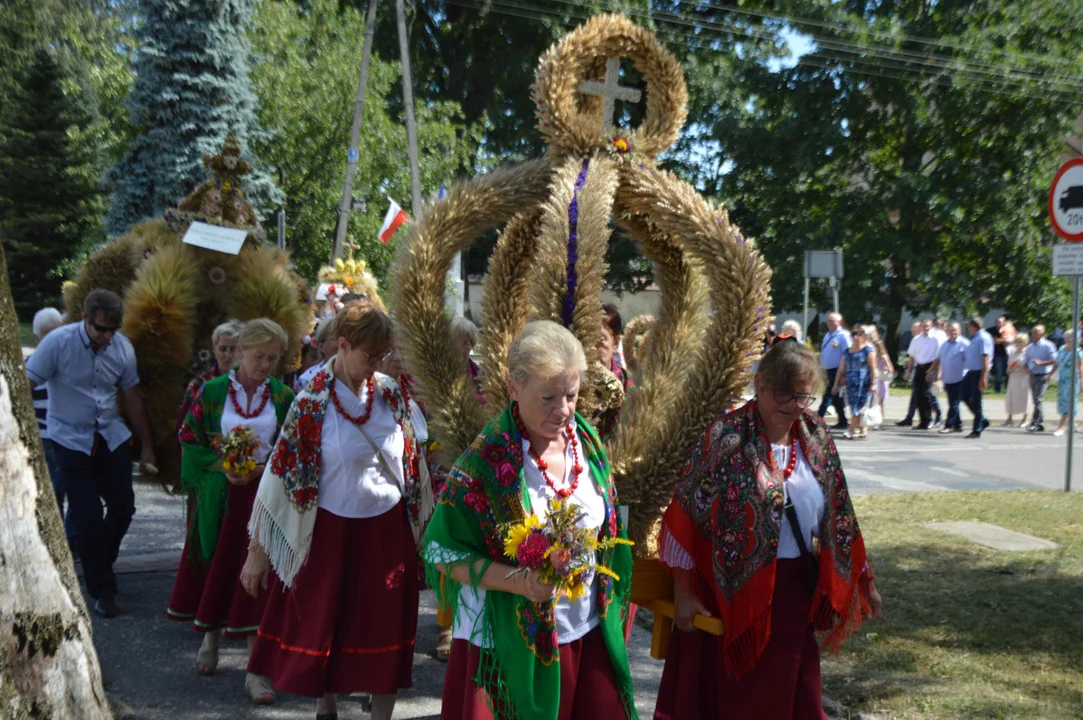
point(968, 632)
point(26, 335)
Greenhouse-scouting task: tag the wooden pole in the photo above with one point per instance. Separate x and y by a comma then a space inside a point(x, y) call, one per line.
point(408, 104)
point(344, 206)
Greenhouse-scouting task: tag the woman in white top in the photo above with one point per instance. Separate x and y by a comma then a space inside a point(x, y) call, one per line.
point(337, 516)
point(760, 484)
point(1017, 398)
point(517, 650)
point(206, 591)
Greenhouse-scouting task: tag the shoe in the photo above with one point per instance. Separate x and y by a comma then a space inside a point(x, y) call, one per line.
point(841, 426)
point(905, 423)
point(920, 427)
point(106, 607)
point(1059, 432)
point(1036, 428)
point(946, 431)
point(1006, 423)
point(984, 424)
point(258, 689)
point(937, 423)
point(973, 434)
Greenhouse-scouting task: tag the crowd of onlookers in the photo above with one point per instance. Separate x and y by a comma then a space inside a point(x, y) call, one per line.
point(942, 357)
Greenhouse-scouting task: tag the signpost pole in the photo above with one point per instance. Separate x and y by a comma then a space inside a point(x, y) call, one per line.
point(1074, 382)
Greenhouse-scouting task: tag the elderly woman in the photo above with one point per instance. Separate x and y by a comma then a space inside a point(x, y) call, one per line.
point(464, 338)
point(761, 483)
point(857, 373)
point(206, 591)
point(338, 515)
point(519, 652)
point(224, 349)
point(1017, 398)
point(45, 321)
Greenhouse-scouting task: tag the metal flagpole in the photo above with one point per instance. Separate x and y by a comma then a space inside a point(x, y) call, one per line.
point(408, 103)
point(1074, 382)
point(345, 205)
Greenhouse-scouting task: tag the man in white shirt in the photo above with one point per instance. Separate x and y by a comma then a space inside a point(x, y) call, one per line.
point(921, 354)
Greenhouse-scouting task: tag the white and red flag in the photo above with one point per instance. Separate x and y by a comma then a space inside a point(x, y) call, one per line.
point(393, 220)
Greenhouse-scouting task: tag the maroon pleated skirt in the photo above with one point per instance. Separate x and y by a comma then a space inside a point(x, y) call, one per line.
point(222, 604)
point(350, 621)
point(783, 685)
point(588, 684)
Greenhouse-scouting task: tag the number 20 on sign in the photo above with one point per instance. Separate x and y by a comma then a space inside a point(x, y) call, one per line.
point(1066, 201)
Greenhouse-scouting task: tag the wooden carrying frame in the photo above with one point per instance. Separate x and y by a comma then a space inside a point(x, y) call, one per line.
point(652, 588)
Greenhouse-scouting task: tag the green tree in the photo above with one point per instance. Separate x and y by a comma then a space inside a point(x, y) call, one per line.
point(191, 91)
point(306, 79)
point(930, 175)
point(51, 202)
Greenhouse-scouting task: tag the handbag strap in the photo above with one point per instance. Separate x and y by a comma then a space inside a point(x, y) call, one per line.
point(812, 568)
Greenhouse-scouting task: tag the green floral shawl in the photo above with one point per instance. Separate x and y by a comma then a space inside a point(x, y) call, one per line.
point(520, 667)
point(201, 427)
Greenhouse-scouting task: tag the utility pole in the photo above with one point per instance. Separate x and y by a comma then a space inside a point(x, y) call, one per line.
point(408, 104)
point(346, 205)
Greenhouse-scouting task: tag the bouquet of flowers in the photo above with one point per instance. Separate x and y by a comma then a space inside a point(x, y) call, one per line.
point(564, 553)
point(237, 450)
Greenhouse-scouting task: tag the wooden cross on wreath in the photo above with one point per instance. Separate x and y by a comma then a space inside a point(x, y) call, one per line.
point(610, 90)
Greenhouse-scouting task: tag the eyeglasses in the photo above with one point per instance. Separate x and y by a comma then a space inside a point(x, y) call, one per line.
point(105, 329)
point(803, 400)
point(383, 358)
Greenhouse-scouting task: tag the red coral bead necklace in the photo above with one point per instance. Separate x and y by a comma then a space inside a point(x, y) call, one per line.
point(237, 406)
point(577, 468)
point(360, 419)
point(792, 464)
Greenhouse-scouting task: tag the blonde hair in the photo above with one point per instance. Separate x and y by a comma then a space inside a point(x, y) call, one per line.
point(323, 329)
point(259, 331)
point(544, 350)
point(362, 323)
point(463, 330)
point(230, 328)
point(1021, 341)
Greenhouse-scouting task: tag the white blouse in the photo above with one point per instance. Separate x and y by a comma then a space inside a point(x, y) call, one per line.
point(574, 619)
point(264, 426)
point(353, 481)
point(801, 488)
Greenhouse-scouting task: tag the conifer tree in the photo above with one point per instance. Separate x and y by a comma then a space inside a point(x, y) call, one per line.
point(51, 201)
point(191, 92)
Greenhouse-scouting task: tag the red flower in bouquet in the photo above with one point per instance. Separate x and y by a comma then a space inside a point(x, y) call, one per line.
point(532, 550)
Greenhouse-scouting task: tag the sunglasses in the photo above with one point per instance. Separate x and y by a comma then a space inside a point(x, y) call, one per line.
point(105, 329)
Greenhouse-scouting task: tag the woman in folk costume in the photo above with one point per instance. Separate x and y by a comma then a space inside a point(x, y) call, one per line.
point(339, 512)
point(517, 652)
point(464, 338)
point(763, 481)
point(224, 349)
point(207, 591)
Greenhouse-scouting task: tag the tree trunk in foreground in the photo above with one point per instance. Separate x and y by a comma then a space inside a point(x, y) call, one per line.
point(48, 666)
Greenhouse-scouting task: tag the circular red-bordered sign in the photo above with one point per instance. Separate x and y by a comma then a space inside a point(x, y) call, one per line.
point(1066, 201)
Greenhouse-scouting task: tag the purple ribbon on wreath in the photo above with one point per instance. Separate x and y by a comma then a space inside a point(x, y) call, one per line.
point(573, 243)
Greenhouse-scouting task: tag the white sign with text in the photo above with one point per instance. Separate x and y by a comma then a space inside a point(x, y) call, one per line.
point(214, 237)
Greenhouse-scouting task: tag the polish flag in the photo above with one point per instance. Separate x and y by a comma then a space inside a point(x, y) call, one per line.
point(392, 221)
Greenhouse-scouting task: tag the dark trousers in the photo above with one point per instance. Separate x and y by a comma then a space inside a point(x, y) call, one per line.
point(89, 480)
point(922, 394)
point(1000, 371)
point(831, 397)
point(934, 404)
point(972, 396)
point(1038, 385)
point(955, 396)
point(58, 488)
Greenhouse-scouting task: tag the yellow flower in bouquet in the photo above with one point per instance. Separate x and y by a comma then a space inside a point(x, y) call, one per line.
point(565, 554)
point(237, 450)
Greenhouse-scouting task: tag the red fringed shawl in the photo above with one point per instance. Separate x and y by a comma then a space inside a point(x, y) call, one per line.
point(727, 514)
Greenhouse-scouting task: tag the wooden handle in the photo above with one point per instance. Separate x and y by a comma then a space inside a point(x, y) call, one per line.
point(710, 625)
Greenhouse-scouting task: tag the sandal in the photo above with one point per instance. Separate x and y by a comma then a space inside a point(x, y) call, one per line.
point(443, 645)
point(206, 660)
point(258, 689)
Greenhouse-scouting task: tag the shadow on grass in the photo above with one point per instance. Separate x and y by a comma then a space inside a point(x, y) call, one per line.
point(975, 628)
